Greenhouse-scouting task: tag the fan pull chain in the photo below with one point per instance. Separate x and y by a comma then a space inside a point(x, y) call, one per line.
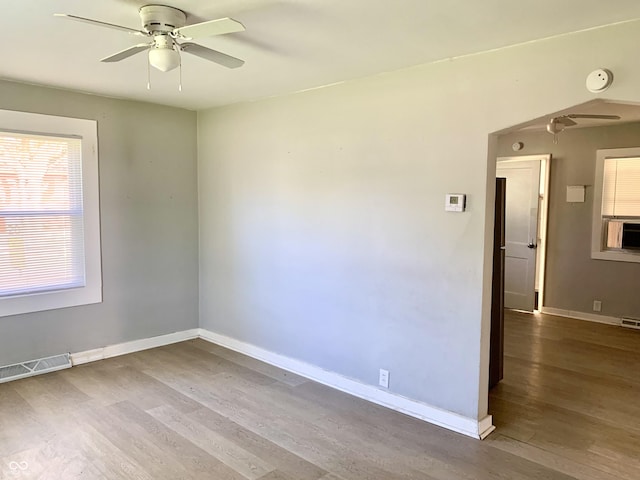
point(148, 73)
point(180, 81)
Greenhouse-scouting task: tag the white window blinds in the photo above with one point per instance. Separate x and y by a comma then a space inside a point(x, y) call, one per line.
point(621, 187)
point(41, 214)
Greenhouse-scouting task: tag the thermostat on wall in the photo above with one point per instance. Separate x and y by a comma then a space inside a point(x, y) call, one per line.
point(455, 202)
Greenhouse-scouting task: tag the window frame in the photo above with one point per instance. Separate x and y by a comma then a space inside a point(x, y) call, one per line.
point(598, 249)
point(87, 131)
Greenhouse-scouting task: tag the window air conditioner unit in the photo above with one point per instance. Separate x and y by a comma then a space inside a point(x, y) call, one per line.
point(623, 235)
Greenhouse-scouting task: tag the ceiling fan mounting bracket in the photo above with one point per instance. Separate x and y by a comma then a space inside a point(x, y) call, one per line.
point(161, 19)
point(163, 40)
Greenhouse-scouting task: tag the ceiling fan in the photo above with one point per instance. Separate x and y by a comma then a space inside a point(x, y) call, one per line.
point(558, 124)
point(166, 28)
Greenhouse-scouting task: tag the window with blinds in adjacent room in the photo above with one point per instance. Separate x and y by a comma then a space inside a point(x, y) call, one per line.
point(621, 187)
point(616, 209)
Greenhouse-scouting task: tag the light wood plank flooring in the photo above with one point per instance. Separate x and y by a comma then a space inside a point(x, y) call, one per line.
point(567, 409)
point(570, 399)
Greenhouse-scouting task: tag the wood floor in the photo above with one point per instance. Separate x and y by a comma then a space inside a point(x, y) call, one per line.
point(568, 408)
point(570, 399)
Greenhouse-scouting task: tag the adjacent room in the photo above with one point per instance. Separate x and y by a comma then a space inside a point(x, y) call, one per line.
point(565, 353)
point(264, 240)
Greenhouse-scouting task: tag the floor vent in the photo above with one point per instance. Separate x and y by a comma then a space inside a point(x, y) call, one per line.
point(34, 367)
point(631, 322)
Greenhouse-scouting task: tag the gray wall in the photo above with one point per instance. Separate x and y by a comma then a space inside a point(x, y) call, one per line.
point(148, 206)
point(323, 234)
point(573, 279)
point(324, 238)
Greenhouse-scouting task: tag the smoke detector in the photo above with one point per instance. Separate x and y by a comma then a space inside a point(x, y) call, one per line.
point(599, 80)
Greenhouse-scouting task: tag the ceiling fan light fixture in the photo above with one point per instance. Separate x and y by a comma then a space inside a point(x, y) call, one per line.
point(163, 54)
point(164, 59)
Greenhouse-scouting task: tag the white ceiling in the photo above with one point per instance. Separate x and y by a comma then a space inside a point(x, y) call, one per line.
point(289, 45)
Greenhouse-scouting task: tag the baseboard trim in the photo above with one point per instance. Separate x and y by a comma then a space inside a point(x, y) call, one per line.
point(132, 346)
point(589, 317)
point(485, 427)
point(428, 413)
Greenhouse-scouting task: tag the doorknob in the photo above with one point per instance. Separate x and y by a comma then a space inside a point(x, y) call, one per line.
point(531, 245)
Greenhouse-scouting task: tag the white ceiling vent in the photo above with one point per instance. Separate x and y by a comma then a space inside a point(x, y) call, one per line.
point(34, 367)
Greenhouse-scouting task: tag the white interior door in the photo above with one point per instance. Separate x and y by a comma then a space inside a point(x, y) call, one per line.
point(521, 231)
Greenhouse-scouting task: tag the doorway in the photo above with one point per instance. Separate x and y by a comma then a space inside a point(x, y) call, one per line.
point(563, 384)
point(527, 204)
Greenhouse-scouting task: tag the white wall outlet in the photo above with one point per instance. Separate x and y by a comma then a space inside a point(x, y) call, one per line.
point(383, 379)
point(597, 306)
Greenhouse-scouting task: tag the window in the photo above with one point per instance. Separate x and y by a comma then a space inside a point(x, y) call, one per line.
point(616, 209)
point(49, 214)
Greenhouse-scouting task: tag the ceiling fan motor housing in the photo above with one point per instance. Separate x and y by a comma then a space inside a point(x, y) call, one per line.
point(554, 126)
point(161, 19)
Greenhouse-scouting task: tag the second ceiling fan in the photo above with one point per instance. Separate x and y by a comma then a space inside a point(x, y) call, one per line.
point(558, 124)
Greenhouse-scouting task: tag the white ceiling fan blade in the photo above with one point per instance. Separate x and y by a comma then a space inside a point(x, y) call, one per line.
point(212, 55)
point(599, 117)
point(220, 26)
point(102, 24)
point(127, 52)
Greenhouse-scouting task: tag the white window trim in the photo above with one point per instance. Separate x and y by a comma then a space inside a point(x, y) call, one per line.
point(92, 291)
point(597, 230)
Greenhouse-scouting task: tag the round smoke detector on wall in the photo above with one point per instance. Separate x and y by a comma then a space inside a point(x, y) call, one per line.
point(599, 80)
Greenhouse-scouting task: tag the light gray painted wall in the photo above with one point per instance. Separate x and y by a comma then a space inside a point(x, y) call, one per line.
point(323, 234)
point(148, 204)
point(573, 279)
point(320, 218)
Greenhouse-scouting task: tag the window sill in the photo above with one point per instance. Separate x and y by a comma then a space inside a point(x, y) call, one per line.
point(39, 302)
point(626, 256)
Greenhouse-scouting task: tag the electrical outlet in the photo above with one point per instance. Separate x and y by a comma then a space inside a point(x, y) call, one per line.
point(597, 306)
point(383, 380)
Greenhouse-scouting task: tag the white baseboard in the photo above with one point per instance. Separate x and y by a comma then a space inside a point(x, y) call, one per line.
point(133, 346)
point(589, 317)
point(485, 427)
point(443, 418)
